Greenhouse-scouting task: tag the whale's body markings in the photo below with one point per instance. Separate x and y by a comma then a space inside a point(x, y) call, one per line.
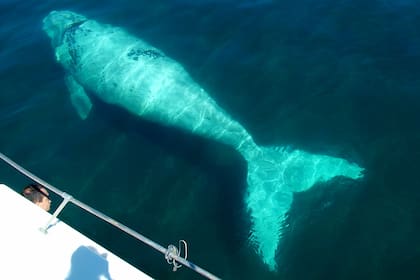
point(125, 71)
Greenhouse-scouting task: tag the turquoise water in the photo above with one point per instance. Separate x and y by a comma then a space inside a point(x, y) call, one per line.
point(337, 77)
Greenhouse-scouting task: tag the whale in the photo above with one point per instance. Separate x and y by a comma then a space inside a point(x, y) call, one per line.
point(107, 62)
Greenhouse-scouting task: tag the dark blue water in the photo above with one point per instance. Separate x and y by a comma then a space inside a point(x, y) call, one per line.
point(332, 77)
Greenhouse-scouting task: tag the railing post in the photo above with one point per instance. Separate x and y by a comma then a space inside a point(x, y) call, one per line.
point(66, 199)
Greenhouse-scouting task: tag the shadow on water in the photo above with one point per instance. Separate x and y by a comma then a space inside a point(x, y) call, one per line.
point(192, 148)
point(88, 264)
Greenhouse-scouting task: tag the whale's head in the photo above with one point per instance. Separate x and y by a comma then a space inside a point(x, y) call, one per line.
point(56, 23)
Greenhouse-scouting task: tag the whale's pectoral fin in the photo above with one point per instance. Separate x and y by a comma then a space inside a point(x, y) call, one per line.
point(79, 98)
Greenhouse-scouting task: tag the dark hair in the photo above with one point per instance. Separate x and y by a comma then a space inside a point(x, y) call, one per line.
point(34, 193)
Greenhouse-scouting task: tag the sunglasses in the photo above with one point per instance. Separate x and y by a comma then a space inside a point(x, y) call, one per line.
point(39, 190)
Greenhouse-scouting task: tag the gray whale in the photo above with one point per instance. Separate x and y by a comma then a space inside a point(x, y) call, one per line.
point(125, 71)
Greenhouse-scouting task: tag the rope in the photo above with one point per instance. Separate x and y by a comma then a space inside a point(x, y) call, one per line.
point(172, 251)
point(171, 254)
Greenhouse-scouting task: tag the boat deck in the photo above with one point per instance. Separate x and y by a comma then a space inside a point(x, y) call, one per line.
point(62, 253)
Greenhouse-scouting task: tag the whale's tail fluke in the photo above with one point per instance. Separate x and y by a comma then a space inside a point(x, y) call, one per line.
point(274, 174)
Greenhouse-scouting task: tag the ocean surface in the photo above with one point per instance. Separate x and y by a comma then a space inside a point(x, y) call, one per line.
point(332, 77)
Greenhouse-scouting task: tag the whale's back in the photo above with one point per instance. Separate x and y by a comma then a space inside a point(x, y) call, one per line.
point(120, 68)
point(128, 72)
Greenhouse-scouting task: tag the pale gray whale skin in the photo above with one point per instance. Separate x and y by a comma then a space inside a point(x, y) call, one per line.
point(125, 71)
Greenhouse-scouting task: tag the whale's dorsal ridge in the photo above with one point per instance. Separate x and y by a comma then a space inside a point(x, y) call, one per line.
point(79, 98)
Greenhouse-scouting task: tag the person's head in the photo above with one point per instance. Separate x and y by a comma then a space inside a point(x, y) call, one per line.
point(38, 195)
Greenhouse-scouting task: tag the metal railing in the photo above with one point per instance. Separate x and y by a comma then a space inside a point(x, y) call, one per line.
point(171, 255)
